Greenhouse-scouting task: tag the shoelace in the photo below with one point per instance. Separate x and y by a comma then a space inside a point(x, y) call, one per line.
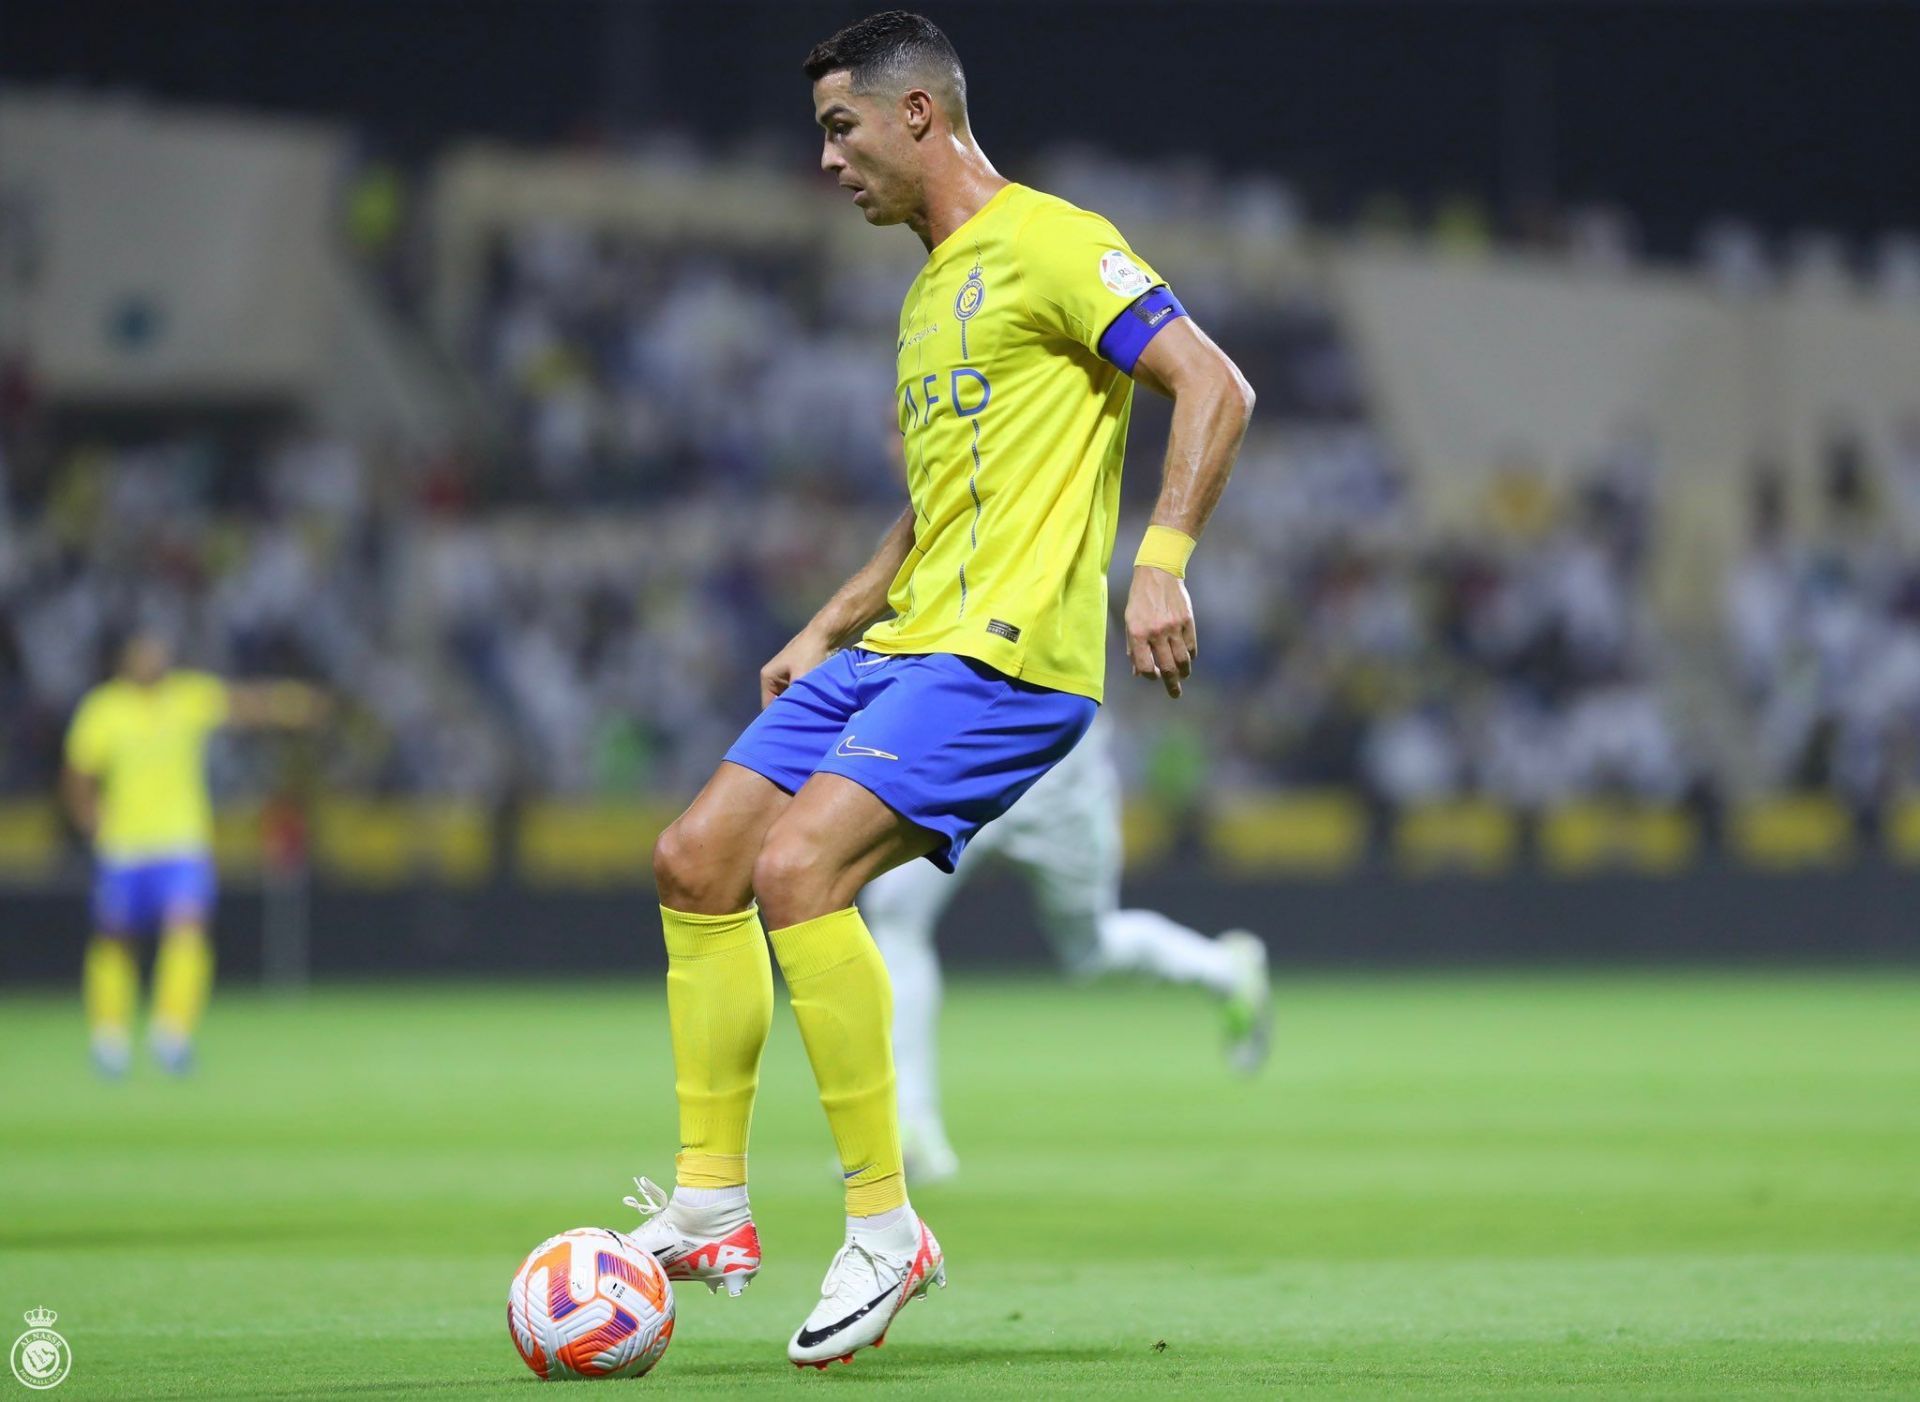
point(653, 1198)
point(831, 1285)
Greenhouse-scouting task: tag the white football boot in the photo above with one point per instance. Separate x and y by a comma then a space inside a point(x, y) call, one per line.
point(112, 1055)
point(866, 1286)
point(717, 1246)
point(1249, 1008)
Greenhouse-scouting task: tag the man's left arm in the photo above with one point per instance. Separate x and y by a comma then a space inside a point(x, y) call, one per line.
point(1212, 403)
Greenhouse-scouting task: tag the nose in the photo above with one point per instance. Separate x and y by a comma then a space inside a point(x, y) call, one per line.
point(830, 159)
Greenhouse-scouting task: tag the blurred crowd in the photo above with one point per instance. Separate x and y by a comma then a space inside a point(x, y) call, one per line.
point(1519, 662)
point(253, 561)
point(490, 648)
point(629, 371)
point(1824, 625)
point(695, 444)
point(1736, 255)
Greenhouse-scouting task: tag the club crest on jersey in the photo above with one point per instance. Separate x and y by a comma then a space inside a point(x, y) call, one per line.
point(1122, 275)
point(972, 293)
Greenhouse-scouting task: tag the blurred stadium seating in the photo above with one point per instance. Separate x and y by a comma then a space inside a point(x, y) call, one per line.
point(1540, 555)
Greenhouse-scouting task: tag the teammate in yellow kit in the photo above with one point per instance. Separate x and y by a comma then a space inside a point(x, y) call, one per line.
point(136, 785)
point(945, 677)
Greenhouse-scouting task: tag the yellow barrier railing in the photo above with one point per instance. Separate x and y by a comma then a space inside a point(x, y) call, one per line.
point(1581, 838)
point(1794, 833)
point(1316, 834)
point(589, 844)
point(374, 842)
point(1468, 836)
point(1302, 834)
point(30, 839)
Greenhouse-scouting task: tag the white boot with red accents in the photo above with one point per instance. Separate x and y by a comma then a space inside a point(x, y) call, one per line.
point(716, 1246)
point(869, 1282)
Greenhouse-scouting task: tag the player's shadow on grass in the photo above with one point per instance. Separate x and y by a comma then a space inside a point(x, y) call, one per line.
point(905, 1362)
point(397, 1387)
point(882, 1370)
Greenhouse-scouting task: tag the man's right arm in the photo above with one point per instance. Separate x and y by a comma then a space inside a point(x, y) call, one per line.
point(86, 758)
point(82, 795)
point(855, 605)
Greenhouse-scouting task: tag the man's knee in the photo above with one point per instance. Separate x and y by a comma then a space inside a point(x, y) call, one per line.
point(788, 874)
point(672, 863)
point(695, 871)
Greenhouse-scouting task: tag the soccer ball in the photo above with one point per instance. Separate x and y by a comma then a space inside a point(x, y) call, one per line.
point(590, 1303)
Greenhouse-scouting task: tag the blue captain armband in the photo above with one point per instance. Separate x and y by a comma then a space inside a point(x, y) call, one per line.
point(1129, 332)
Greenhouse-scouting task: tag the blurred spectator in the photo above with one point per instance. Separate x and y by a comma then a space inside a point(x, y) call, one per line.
point(1817, 262)
point(1602, 238)
point(1896, 269)
point(1903, 471)
point(1733, 255)
point(1826, 637)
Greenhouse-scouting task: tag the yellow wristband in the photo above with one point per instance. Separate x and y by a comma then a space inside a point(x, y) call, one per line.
point(1164, 548)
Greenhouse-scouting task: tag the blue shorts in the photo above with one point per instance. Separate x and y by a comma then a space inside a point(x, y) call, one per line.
point(131, 898)
point(946, 742)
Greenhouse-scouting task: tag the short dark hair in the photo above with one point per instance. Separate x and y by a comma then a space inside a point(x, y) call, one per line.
point(894, 44)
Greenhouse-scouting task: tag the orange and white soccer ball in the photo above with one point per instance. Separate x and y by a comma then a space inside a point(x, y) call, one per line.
point(590, 1303)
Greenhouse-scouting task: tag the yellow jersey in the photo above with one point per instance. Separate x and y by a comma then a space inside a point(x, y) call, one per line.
point(1015, 425)
point(146, 747)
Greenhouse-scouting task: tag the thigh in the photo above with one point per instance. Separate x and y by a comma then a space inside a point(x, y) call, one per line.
point(117, 899)
point(704, 860)
point(186, 891)
point(949, 745)
point(833, 839)
point(785, 742)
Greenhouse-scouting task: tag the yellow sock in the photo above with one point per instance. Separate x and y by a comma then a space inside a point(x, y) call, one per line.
point(110, 982)
point(844, 1005)
point(182, 979)
point(720, 1007)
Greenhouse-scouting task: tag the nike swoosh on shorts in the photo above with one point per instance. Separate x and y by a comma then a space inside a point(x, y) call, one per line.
point(847, 749)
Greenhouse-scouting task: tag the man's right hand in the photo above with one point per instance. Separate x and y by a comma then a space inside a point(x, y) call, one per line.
point(808, 650)
point(1161, 642)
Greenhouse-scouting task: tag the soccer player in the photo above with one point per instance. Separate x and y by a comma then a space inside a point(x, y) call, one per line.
point(941, 680)
point(1063, 837)
point(136, 786)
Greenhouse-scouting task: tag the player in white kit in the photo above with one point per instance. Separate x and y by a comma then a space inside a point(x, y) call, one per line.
point(1063, 836)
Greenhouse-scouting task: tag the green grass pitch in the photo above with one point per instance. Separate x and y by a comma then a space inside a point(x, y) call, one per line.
point(1622, 1185)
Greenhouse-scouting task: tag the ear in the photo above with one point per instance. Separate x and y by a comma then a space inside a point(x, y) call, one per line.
point(917, 109)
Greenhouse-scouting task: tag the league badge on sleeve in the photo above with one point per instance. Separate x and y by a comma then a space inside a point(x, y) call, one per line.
point(1122, 275)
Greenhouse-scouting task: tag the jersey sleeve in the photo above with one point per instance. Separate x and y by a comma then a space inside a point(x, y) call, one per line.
point(1082, 281)
point(205, 696)
point(90, 738)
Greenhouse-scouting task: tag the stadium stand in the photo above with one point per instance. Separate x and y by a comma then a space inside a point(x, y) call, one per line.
point(1480, 597)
